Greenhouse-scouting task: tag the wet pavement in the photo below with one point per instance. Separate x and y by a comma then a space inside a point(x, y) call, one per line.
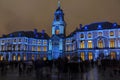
point(92, 74)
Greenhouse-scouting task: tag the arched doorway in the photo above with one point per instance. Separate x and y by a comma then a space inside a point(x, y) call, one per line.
point(113, 55)
point(44, 58)
point(82, 56)
point(1, 57)
point(90, 55)
point(13, 57)
point(18, 57)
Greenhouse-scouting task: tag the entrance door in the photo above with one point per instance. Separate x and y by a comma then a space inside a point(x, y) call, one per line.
point(113, 55)
point(55, 52)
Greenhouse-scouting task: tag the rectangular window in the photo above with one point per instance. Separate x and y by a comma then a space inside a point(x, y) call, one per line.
point(89, 44)
point(82, 45)
point(45, 48)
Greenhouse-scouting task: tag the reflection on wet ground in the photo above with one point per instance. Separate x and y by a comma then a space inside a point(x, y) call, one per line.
point(92, 74)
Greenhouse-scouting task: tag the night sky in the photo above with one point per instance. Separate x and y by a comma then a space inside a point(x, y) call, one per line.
point(18, 15)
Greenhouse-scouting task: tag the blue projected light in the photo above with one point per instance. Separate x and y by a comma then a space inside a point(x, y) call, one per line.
point(19, 34)
point(115, 24)
point(85, 28)
point(11, 35)
point(99, 26)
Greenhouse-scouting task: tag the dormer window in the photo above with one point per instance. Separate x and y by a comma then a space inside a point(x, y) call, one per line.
point(100, 33)
point(82, 36)
point(89, 35)
point(111, 33)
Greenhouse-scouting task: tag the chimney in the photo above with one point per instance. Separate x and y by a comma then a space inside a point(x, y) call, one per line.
point(35, 31)
point(80, 26)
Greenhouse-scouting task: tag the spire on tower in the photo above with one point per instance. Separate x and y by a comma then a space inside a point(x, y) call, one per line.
point(58, 3)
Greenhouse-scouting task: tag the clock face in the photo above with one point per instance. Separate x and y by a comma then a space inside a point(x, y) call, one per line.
point(57, 17)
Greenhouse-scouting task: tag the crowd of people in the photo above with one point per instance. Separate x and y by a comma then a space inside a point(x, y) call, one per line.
point(62, 65)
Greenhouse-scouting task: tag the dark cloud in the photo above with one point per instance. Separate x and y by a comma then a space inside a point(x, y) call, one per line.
point(16, 15)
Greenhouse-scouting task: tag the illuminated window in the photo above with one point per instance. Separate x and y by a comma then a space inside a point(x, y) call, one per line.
point(100, 33)
point(112, 43)
point(19, 58)
point(45, 42)
point(45, 48)
point(33, 57)
point(57, 31)
point(100, 43)
point(89, 35)
point(82, 55)
point(82, 36)
point(111, 33)
point(113, 55)
point(44, 58)
point(33, 48)
point(24, 57)
point(39, 49)
point(90, 55)
point(89, 44)
point(68, 57)
point(13, 57)
point(1, 57)
point(82, 44)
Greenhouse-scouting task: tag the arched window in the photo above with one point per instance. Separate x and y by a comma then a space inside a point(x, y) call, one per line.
point(112, 43)
point(111, 33)
point(89, 35)
point(100, 33)
point(82, 44)
point(89, 44)
point(100, 43)
point(82, 36)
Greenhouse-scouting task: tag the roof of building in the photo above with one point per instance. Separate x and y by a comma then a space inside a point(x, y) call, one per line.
point(100, 26)
point(29, 34)
point(95, 26)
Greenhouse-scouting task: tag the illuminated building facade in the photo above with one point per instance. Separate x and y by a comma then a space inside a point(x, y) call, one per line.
point(96, 40)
